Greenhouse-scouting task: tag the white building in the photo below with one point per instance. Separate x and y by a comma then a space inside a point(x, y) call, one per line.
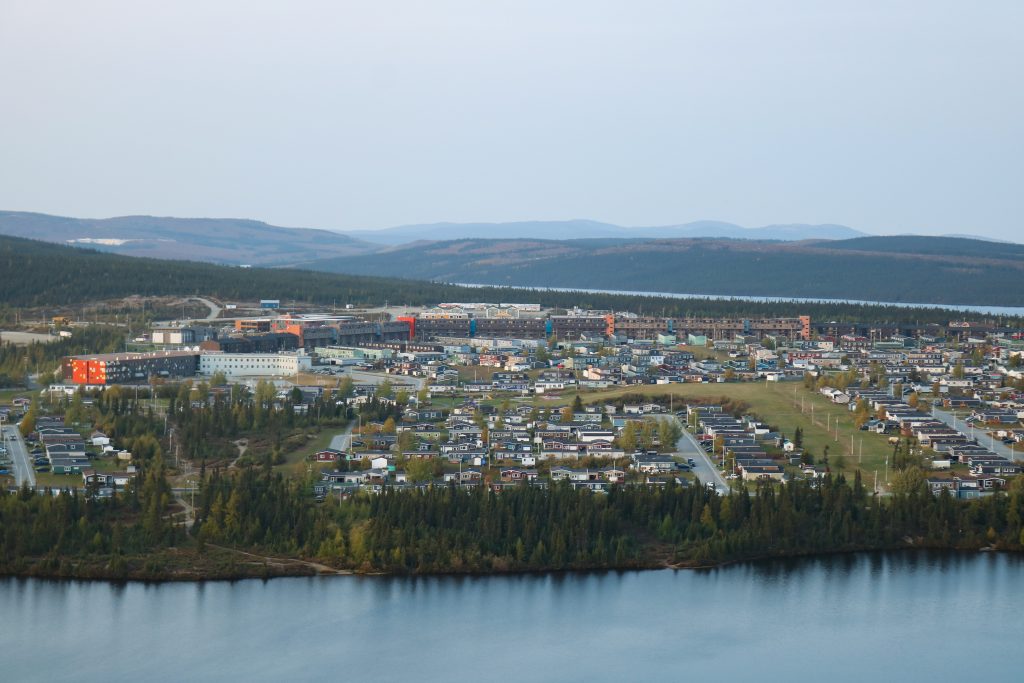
point(254, 364)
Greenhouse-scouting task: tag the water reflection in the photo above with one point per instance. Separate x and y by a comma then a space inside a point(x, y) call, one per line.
point(855, 616)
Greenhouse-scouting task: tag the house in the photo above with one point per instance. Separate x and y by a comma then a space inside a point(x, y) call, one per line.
point(613, 474)
point(68, 464)
point(937, 486)
point(463, 476)
point(382, 441)
point(514, 474)
point(588, 435)
point(590, 485)
point(569, 474)
point(328, 455)
point(652, 464)
point(754, 472)
point(340, 477)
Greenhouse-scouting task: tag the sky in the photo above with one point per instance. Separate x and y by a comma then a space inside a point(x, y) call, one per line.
point(888, 116)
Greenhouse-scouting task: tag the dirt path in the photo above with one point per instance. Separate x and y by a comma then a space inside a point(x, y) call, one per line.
point(284, 562)
point(242, 445)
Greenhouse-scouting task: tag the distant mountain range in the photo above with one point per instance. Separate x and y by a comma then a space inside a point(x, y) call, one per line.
point(238, 241)
point(939, 270)
point(584, 229)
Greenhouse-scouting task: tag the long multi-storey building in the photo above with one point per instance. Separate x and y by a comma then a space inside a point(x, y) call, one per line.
point(606, 325)
point(254, 364)
point(128, 368)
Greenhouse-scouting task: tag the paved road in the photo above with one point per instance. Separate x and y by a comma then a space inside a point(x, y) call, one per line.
point(16, 337)
point(214, 308)
point(994, 445)
point(341, 441)
point(213, 314)
point(21, 463)
point(363, 377)
point(689, 447)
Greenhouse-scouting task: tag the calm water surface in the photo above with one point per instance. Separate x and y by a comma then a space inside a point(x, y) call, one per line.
point(852, 618)
point(963, 308)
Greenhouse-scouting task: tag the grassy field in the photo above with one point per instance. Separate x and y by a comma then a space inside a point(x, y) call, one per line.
point(784, 406)
point(7, 395)
point(297, 461)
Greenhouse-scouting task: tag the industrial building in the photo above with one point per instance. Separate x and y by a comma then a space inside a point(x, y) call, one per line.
point(179, 336)
point(455, 323)
point(312, 331)
point(271, 342)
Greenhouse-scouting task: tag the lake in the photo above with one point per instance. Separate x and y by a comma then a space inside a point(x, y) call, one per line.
point(920, 616)
point(1017, 311)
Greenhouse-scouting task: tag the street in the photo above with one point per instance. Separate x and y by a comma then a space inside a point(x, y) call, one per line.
point(978, 433)
point(342, 441)
point(21, 464)
point(689, 447)
point(214, 313)
point(364, 377)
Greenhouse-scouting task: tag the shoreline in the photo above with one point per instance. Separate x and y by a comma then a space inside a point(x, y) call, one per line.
point(298, 568)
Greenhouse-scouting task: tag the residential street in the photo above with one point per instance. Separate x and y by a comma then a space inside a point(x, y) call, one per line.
point(21, 464)
point(341, 441)
point(689, 447)
point(994, 445)
point(364, 377)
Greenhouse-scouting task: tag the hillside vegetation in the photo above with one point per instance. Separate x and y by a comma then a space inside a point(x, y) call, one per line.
point(38, 274)
point(898, 269)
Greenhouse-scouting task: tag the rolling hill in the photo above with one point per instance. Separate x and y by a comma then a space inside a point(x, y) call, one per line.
point(217, 240)
point(897, 269)
point(36, 274)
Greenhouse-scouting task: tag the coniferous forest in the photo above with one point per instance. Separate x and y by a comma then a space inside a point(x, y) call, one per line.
point(447, 529)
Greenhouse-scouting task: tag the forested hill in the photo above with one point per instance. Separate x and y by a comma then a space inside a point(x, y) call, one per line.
point(217, 240)
point(36, 274)
point(955, 247)
point(901, 269)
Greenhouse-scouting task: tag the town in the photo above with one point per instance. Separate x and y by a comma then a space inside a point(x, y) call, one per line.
point(505, 395)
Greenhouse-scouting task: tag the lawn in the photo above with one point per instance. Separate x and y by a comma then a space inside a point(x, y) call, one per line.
point(62, 481)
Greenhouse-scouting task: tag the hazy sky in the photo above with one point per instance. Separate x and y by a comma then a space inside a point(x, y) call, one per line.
point(886, 116)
